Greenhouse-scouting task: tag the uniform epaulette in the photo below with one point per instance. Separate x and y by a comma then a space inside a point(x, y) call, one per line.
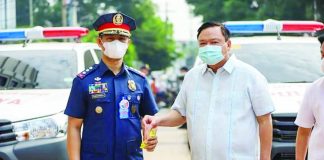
point(87, 71)
point(133, 70)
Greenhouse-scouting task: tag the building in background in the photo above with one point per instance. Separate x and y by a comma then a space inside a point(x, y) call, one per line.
point(179, 13)
point(7, 14)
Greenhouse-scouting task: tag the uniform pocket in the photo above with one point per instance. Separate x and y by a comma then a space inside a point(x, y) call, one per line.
point(99, 107)
point(135, 102)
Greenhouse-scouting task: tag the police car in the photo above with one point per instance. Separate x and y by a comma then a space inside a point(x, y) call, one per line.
point(289, 63)
point(35, 81)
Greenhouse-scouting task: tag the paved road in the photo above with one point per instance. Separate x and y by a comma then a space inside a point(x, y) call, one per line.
point(173, 144)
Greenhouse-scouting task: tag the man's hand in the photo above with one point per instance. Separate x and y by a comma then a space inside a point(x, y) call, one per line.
point(149, 125)
point(148, 122)
point(151, 144)
point(173, 118)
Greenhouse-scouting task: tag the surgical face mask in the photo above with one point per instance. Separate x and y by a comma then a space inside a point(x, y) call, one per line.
point(115, 49)
point(211, 54)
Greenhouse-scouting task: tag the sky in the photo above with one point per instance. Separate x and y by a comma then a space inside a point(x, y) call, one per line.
point(179, 13)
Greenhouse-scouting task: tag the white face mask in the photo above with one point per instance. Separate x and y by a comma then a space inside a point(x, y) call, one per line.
point(115, 49)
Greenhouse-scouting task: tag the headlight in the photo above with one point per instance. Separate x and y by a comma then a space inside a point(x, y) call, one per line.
point(46, 127)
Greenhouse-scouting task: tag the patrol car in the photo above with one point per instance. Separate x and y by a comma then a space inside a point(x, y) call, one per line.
point(35, 81)
point(290, 64)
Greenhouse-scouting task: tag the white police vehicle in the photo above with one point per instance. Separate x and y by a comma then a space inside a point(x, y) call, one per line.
point(35, 81)
point(289, 63)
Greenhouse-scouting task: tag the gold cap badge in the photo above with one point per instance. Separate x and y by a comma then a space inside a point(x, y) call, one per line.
point(118, 19)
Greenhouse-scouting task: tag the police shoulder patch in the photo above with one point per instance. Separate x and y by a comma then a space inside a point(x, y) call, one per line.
point(87, 71)
point(133, 70)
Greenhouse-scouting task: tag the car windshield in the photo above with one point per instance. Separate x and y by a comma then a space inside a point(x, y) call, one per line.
point(46, 69)
point(282, 62)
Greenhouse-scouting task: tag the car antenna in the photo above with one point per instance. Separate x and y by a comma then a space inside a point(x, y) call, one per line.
point(278, 33)
point(25, 42)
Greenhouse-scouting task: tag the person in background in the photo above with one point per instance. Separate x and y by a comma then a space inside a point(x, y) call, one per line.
point(183, 71)
point(145, 70)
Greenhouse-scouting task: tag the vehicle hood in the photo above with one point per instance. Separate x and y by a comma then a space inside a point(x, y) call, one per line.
point(287, 97)
point(18, 105)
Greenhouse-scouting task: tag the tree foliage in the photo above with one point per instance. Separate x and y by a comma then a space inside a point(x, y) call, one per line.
point(233, 10)
point(153, 42)
point(153, 37)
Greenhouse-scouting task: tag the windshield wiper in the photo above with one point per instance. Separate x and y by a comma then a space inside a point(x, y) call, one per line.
point(298, 82)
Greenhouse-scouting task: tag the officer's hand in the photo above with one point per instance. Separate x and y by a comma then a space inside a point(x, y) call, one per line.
point(151, 144)
point(148, 122)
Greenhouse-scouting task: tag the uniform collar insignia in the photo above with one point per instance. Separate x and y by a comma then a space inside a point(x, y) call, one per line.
point(97, 79)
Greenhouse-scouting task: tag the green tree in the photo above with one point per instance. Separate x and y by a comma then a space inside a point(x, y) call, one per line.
point(153, 37)
point(229, 10)
point(152, 40)
point(44, 14)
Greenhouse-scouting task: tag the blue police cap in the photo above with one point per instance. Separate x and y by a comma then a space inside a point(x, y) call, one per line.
point(115, 23)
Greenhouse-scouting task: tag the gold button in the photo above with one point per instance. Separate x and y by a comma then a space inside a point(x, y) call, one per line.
point(98, 109)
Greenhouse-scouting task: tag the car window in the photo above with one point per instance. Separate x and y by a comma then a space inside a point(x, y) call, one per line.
point(88, 59)
point(98, 53)
point(37, 69)
point(282, 62)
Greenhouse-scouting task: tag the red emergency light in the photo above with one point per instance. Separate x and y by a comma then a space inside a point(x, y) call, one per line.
point(60, 32)
point(43, 33)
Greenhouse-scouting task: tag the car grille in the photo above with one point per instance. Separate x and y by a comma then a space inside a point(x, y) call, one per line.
point(284, 129)
point(285, 156)
point(7, 137)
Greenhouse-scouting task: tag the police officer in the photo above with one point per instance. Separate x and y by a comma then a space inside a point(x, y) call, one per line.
point(109, 99)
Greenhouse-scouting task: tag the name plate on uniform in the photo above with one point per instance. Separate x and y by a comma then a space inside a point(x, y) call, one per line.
point(99, 95)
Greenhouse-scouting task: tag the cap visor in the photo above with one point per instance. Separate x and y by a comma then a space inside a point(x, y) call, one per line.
point(116, 31)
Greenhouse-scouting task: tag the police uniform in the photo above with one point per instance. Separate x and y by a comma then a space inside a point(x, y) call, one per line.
point(110, 105)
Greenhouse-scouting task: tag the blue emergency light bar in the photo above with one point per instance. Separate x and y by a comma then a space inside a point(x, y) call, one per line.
point(43, 33)
point(12, 35)
point(273, 26)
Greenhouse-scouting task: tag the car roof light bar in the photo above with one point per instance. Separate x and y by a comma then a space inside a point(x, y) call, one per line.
point(273, 26)
point(43, 33)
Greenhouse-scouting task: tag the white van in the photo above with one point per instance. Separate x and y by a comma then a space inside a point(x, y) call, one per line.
point(35, 82)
